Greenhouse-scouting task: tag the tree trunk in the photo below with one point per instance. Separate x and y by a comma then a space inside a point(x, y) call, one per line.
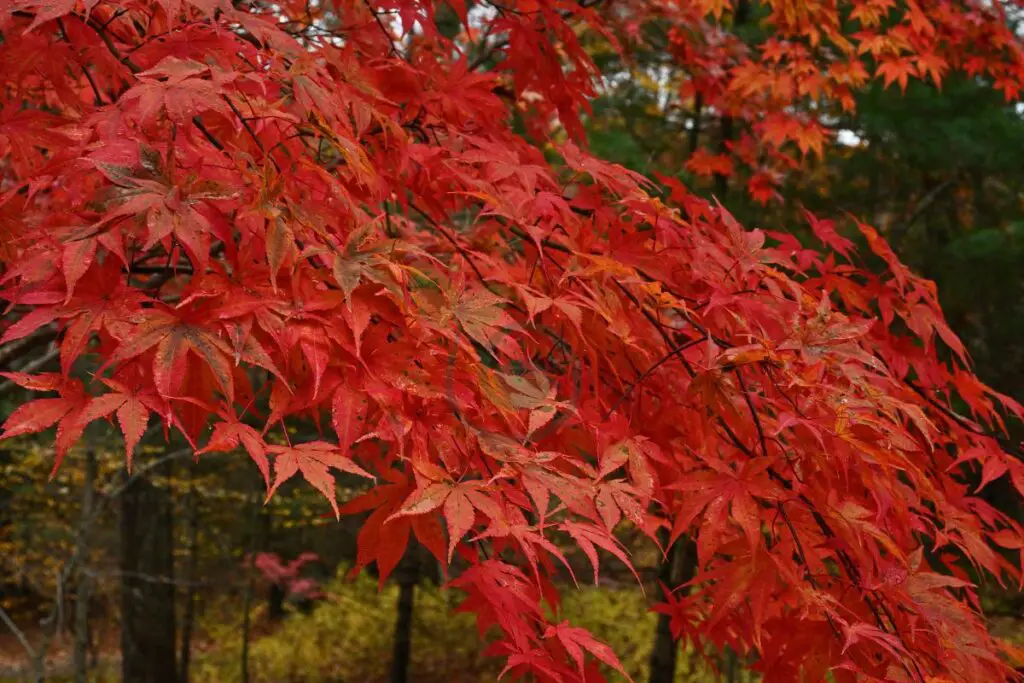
point(402, 651)
point(8, 588)
point(83, 589)
point(727, 131)
point(253, 544)
point(147, 580)
point(275, 602)
point(191, 576)
point(243, 675)
point(732, 670)
point(678, 567)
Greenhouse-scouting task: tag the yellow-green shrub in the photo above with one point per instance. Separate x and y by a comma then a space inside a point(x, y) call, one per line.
point(348, 639)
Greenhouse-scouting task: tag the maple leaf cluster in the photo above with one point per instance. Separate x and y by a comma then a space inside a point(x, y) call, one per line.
point(238, 217)
point(789, 85)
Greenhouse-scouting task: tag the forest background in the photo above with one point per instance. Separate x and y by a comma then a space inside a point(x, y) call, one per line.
point(243, 590)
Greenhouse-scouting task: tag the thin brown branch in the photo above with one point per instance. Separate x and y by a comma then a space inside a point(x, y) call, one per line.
point(18, 633)
point(672, 353)
point(14, 350)
point(33, 365)
point(101, 31)
point(455, 243)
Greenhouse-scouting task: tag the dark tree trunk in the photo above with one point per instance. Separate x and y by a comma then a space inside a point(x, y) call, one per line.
point(727, 131)
point(732, 668)
point(258, 535)
point(678, 567)
point(725, 138)
point(191, 577)
point(275, 602)
point(147, 579)
point(243, 665)
point(407, 576)
point(7, 588)
point(84, 585)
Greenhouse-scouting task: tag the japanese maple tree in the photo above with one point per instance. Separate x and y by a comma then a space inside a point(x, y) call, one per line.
point(238, 216)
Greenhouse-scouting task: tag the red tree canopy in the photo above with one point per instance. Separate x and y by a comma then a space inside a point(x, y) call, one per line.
point(235, 217)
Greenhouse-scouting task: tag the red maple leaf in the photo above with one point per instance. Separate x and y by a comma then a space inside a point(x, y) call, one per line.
point(315, 460)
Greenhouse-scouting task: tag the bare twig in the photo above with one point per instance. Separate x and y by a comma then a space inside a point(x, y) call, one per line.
point(639, 380)
point(15, 349)
point(32, 366)
point(18, 633)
